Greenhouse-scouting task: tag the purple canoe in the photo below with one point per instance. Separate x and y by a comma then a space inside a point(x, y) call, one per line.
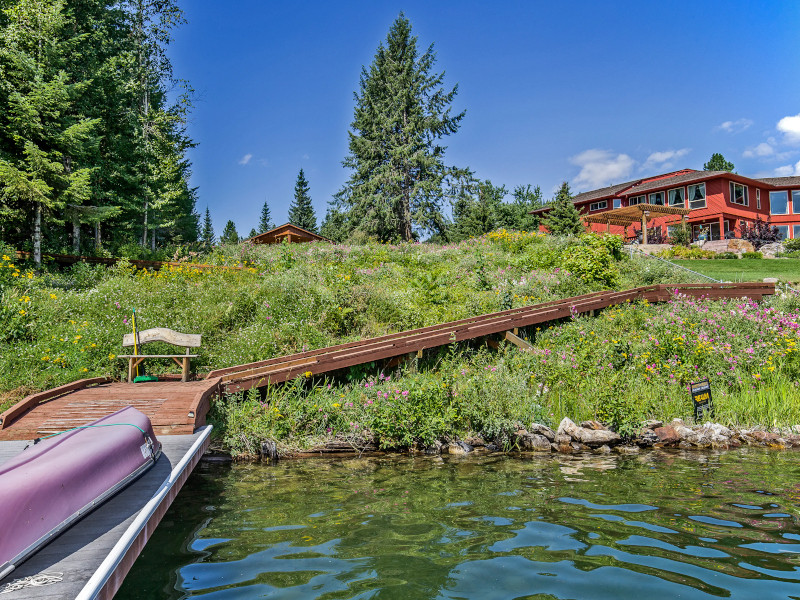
point(55, 482)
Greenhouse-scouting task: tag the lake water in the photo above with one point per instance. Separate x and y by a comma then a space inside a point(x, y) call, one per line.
point(649, 526)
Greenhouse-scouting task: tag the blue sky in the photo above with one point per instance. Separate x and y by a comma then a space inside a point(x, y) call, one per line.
point(586, 92)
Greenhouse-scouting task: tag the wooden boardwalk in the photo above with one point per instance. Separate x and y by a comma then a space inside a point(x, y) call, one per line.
point(94, 555)
point(329, 359)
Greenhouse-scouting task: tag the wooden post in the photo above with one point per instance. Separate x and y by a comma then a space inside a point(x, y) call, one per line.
point(644, 227)
point(722, 228)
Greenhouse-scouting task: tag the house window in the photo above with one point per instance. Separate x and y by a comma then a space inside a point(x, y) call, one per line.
point(617, 203)
point(676, 197)
point(697, 195)
point(796, 202)
point(796, 232)
point(739, 194)
point(598, 205)
point(636, 200)
point(657, 198)
point(784, 231)
point(779, 203)
point(758, 199)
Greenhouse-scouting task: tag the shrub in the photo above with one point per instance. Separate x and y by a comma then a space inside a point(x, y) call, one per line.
point(725, 255)
point(792, 245)
point(752, 255)
point(680, 236)
point(593, 258)
point(760, 232)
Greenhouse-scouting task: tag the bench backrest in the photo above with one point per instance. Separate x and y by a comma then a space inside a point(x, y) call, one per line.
point(162, 334)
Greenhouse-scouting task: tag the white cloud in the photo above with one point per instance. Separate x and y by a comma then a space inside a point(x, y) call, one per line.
point(245, 159)
point(762, 150)
point(663, 160)
point(737, 126)
point(790, 127)
point(788, 170)
point(306, 157)
point(600, 168)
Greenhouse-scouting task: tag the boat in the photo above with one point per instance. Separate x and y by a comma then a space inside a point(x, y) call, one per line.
point(57, 480)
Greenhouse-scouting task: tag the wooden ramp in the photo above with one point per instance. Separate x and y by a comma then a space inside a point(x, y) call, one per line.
point(93, 556)
point(329, 359)
point(173, 407)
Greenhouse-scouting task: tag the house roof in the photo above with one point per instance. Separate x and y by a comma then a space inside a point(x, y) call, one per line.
point(603, 192)
point(284, 230)
point(781, 181)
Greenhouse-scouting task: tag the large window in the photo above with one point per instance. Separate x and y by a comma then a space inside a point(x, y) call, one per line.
point(796, 232)
point(796, 202)
point(779, 203)
point(598, 205)
point(784, 231)
point(657, 198)
point(739, 194)
point(636, 200)
point(617, 202)
point(697, 195)
point(676, 197)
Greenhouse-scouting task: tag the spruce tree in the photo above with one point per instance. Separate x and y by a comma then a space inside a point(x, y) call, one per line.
point(253, 233)
point(229, 234)
point(397, 165)
point(717, 162)
point(265, 223)
point(207, 236)
point(563, 218)
point(301, 212)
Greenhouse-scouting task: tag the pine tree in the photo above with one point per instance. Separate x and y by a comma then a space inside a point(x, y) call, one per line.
point(563, 218)
point(265, 223)
point(229, 234)
point(301, 212)
point(207, 236)
point(717, 162)
point(477, 209)
point(253, 233)
point(396, 161)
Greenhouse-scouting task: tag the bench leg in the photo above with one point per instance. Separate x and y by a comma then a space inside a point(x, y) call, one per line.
point(185, 373)
point(130, 370)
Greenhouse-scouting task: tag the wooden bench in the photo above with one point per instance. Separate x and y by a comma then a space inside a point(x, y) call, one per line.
point(160, 334)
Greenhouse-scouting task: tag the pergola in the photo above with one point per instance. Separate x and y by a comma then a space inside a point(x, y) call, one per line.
point(639, 213)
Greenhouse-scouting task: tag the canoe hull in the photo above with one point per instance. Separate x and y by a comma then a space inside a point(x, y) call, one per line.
point(50, 485)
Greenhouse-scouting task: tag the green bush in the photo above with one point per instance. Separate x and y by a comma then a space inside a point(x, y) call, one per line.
point(725, 255)
point(792, 245)
point(752, 255)
point(681, 252)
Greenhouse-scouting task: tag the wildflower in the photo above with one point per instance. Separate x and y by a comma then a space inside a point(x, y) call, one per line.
point(23, 313)
point(111, 356)
point(53, 297)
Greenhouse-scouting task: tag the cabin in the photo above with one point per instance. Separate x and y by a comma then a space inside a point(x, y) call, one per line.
point(711, 202)
point(288, 232)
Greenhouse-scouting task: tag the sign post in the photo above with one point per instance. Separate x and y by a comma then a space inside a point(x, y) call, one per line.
point(701, 397)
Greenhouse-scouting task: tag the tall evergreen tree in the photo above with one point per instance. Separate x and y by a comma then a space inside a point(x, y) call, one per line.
point(207, 236)
point(45, 162)
point(563, 218)
point(396, 161)
point(229, 234)
point(265, 223)
point(301, 212)
point(717, 162)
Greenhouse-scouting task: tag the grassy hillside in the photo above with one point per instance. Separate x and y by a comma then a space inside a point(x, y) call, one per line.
point(630, 363)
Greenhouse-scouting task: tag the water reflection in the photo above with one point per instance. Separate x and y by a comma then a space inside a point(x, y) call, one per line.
point(686, 525)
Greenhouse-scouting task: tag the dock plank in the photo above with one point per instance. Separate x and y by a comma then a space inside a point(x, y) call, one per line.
point(79, 551)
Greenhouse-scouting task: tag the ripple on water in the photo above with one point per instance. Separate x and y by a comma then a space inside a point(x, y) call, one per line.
point(431, 528)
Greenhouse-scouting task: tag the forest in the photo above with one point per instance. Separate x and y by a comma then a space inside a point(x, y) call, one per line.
point(93, 137)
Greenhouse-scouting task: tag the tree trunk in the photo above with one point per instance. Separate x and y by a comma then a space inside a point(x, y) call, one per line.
point(76, 237)
point(144, 227)
point(153, 240)
point(37, 235)
point(97, 236)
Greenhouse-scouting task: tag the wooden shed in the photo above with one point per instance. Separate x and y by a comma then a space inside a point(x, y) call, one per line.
point(291, 233)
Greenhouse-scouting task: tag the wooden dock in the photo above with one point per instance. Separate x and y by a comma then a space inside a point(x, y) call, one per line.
point(173, 407)
point(95, 554)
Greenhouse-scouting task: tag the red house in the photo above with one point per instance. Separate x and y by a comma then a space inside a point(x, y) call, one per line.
point(718, 202)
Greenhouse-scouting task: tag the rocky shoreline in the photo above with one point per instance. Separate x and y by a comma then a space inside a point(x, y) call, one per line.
point(570, 438)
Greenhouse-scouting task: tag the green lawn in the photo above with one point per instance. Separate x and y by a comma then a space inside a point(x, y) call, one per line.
point(746, 269)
